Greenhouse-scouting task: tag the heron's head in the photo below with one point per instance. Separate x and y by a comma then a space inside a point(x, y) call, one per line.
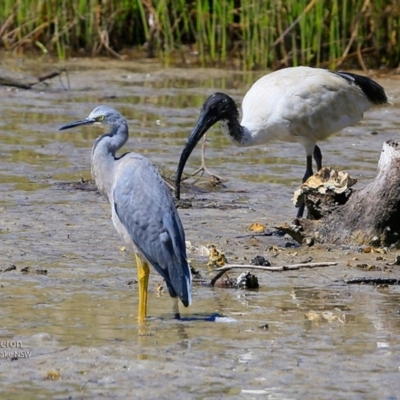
point(100, 115)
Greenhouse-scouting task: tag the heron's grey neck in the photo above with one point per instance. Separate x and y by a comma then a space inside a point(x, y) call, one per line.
point(103, 157)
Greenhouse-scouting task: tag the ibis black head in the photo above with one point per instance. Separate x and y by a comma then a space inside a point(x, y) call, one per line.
point(218, 107)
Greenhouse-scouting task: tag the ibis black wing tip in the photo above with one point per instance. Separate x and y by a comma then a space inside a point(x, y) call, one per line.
point(373, 90)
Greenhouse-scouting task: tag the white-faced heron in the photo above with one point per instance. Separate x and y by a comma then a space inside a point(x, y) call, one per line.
point(298, 104)
point(142, 208)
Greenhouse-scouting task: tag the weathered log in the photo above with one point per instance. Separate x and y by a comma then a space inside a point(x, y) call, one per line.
point(370, 216)
point(19, 80)
point(25, 81)
point(222, 270)
point(372, 281)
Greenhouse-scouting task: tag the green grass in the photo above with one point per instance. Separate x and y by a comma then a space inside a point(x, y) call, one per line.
point(246, 34)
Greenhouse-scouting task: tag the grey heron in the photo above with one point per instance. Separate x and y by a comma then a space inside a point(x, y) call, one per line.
point(297, 104)
point(142, 209)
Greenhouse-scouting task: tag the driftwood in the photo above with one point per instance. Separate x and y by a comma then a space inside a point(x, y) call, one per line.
point(221, 271)
point(370, 216)
point(373, 281)
point(23, 81)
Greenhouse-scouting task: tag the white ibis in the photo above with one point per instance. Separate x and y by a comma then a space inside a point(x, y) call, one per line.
point(298, 104)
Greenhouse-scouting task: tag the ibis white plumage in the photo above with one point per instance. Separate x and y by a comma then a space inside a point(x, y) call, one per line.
point(297, 104)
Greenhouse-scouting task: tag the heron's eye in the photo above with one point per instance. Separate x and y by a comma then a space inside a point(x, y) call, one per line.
point(100, 118)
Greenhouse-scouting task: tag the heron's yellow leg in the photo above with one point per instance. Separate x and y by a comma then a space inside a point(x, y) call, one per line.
point(143, 279)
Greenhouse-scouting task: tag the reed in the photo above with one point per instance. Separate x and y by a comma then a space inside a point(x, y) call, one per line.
point(251, 34)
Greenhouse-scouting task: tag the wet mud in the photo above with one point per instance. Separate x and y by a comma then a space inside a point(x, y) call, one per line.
point(68, 287)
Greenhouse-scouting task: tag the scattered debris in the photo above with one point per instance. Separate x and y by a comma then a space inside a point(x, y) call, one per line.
point(309, 241)
point(225, 283)
point(295, 230)
point(83, 184)
point(183, 203)
point(260, 260)
point(371, 267)
point(199, 250)
point(52, 375)
point(25, 270)
point(41, 271)
point(10, 268)
point(370, 249)
point(246, 280)
point(216, 257)
point(215, 181)
point(159, 289)
point(396, 260)
point(326, 317)
point(275, 250)
point(196, 274)
point(257, 227)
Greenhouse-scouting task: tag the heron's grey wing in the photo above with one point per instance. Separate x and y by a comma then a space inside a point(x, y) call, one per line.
point(145, 207)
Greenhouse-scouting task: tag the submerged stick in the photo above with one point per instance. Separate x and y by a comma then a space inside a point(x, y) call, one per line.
point(373, 281)
point(290, 267)
point(26, 82)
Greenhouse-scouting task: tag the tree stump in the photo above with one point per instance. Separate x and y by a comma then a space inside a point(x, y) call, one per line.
point(370, 216)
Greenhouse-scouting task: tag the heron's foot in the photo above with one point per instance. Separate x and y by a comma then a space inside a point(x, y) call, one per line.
point(177, 316)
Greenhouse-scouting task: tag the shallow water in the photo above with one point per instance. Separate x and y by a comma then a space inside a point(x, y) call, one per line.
point(304, 334)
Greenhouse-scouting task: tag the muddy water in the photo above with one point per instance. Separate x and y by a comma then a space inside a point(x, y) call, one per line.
point(69, 304)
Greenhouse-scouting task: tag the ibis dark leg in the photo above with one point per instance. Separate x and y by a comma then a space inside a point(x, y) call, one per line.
point(318, 157)
point(309, 172)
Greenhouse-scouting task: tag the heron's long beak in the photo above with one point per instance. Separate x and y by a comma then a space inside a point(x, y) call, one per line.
point(204, 123)
point(85, 121)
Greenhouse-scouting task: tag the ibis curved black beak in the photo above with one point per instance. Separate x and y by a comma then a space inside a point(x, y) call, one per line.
point(86, 121)
point(203, 124)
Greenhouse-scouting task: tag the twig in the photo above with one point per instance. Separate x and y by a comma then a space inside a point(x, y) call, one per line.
point(291, 267)
point(360, 59)
point(104, 42)
point(373, 281)
point(280, 268)
point(355, 54)
point(53, 74)
point(49, 75)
